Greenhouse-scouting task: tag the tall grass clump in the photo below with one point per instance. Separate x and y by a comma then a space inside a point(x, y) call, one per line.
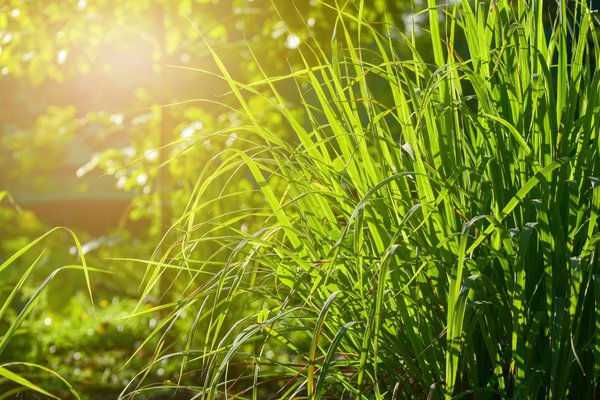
point(432, 223)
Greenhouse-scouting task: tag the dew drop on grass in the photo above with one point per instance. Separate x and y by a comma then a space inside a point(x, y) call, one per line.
point(47, 321)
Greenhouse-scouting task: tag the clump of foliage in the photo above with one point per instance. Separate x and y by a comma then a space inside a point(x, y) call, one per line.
point(94, 349)
point(59, 341)
point(432, 227)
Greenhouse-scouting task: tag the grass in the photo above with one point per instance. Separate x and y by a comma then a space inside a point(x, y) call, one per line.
point(430, 225)
point(29, 298)
point(433, 224)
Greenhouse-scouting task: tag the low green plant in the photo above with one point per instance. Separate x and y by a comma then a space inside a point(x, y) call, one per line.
point(54, 343)
point(16, 306)
point(432, 227)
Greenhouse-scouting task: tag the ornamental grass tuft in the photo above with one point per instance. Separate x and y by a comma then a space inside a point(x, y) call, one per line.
point(430, 223)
